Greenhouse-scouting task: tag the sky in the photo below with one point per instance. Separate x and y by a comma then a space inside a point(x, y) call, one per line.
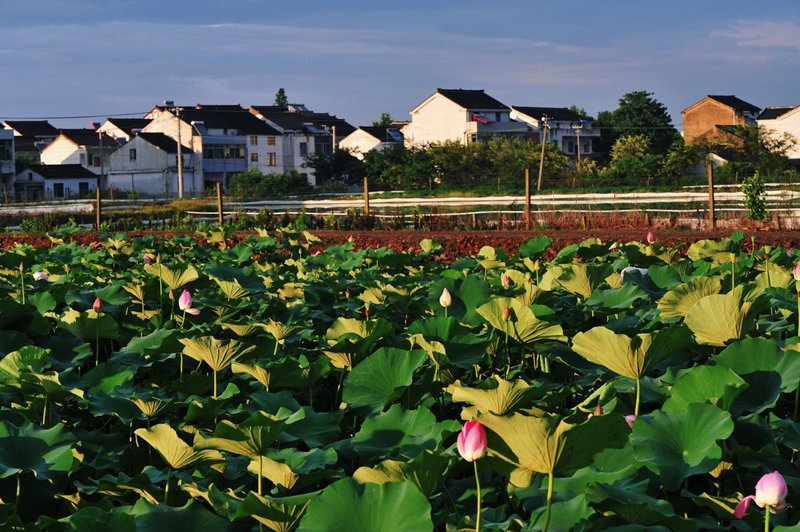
point(357, 59)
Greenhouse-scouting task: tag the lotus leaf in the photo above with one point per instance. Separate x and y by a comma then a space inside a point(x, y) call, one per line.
point(523, 325)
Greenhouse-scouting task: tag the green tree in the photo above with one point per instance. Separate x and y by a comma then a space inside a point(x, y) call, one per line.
point(253, 184)
point(638, 114)
point(384, 121)
point(280, 98)
point(755, 199)
point(398, 167)
point(336, 166)
point(631, 160)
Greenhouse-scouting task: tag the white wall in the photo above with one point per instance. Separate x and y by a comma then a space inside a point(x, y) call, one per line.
point(436, 120)
point(787, 123)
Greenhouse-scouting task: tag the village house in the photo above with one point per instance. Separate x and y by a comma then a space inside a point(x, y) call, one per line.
point(783, 123)
point(54, 181)
point(707, 118)
point(31, 136)
point(460, 115)
point(572, 133)
point(7, 162)
point(368, 138)
point(85, 147)
point(122, 129)
point(147, 165)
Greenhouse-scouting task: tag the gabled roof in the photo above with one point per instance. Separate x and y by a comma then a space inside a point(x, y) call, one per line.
point(771, 113)
point(240, 120)
point(289, 120)
point(33, 128)
point(55, 171)
point(553, 113)
point(735, 103)
point(383, 134)
point(472, 99)
point(129, 124)
point(89, 137)
point(220, 107)
point(162, 141)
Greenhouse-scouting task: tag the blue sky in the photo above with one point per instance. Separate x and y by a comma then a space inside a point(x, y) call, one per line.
point(358, 59)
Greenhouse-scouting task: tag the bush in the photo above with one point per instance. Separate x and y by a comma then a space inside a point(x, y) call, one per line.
point(755, 196)
point(252, 184)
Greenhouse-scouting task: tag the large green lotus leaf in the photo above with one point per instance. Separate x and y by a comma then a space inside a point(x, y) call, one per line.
point(678, 302)
point(426, 471)
point(18, 317)
point(578, 278)
point(280, 514)
point(718, 250)
point(401, 432)
point(218, 354)
point(381, 377)
point(632, 503)
point(462, 346)
point(522, 325)
point(716, 385)
point(718, 319)
point(548, 444)
point(565, 514)
point(252, 437)
point(778, 278)
point(497, 396)
point(103, 403)
point(192, 517)
point(40, 451)
point(105, 377)
point(315, 429)
point(535, 246)
point(88, 325)
point(753, 355)
point(664, 276)
point(349, 335)
point(43, 301)
point(29, 359)
point(349, 506)
point(296, 372)
point(157, 342)
point(622, 298)
point(96, 519)
point(681, 443)
point(626, 356)
point(174, 279)
point(177, 453)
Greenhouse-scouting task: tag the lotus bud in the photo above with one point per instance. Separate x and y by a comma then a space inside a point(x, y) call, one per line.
point(146, 259)
point(445, 299)
point(506, 313)
point(598, 411)
point(651, 237)
point(185, 303)
point(39, 276)
point(471, 441)
point(21, 266)
point(537, 265)
point(505, 281)
point(158, 258)
point(351, 239)
point(170, 294)
point(770, 493)
point(767, 251)
point(796, 272)
point(614, 246)
point(98, 305)
point(629, 419)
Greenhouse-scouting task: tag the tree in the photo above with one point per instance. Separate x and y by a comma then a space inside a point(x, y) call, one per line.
point(398, 167)
point(384, 121)
point(639, 114)
point(253, 184)
point(280, 98)
point(336, 166)
point(631, 160)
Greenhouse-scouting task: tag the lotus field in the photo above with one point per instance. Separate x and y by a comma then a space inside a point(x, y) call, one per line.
point(279, 384)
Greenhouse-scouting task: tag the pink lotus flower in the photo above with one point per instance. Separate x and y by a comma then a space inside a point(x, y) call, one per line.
point(505, 280)
point(629, 419)
point(507, 313)
point(146, 259)
point(39, 276)
point(98, 305)
point(651, 237)
point(770, 493)
point(598, 411)
point(471, 441)
point(185, 303)
point(796, 272)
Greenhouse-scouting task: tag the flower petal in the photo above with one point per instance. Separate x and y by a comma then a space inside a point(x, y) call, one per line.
point(741, 508)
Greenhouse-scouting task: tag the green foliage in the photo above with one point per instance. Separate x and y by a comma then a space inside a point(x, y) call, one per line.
point(384, 121)
point(253, 184)
point(755, 196)
point(338, 166)
point(281, 99)
point(639, 114)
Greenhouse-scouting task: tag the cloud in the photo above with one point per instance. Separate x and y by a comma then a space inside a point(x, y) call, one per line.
point(764, 34)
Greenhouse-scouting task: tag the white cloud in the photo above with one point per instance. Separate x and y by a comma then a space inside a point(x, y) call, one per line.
point(764, 34)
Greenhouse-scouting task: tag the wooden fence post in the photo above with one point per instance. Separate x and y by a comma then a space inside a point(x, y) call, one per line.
point(366, 198)
point(220, 213)
point(98, 214)
point(711, 214)
point(527, 199)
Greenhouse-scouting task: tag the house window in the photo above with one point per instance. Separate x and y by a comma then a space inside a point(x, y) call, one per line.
point(58, 190)
point(83, 188)
point(270, 141)
point(304, 148)
point(254, 158)
point(254, 140)
point(272, 159)
point(497, 117)
point(95, 161)
point(132, 154)
point(570, 147)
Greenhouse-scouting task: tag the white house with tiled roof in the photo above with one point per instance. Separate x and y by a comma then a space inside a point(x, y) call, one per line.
point(85, 147)
point(54, 181)
point(460, 115)
point(147, 165)
point(368, 138)
point(783, 123)
point(573, 134)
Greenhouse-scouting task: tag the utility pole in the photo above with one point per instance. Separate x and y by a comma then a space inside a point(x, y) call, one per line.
point(333, 139)
point(170, 105)
point(711, 214)
point(527, 199)
point(541, 158)
point(578, 127)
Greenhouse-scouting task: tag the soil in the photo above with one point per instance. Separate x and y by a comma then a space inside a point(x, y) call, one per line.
point(455, 243)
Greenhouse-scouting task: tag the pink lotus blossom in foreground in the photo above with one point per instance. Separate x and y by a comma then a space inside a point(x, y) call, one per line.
point(796, 272)
point(98, 305)
point(185, 303)
point(146, 259)
point(770, 493)
point(471, 441)
point(505, 280)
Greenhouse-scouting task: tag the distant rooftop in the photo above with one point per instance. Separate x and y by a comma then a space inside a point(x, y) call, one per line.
point(472, 99)
point(553, 113)
point(89, 137)
point(32, 128)
point(771, 113)
point(54, 171)
point(384, 134)
point(736, 103)
point(162, 141)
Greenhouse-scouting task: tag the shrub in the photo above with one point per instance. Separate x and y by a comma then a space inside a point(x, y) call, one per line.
point(755, 196)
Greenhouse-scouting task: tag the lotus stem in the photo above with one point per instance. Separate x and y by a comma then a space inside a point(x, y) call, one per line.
point(44, 410)
point(638, 396)
point(766, 519)
point(260, 471)
point(766, 267)
point(16, 500)
point(275, 351)
point(97, 341)
point(166, 490)
point(478, 487)
point(549, 509)
point(215, 383)
point(22, 283)
point(733, 273)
